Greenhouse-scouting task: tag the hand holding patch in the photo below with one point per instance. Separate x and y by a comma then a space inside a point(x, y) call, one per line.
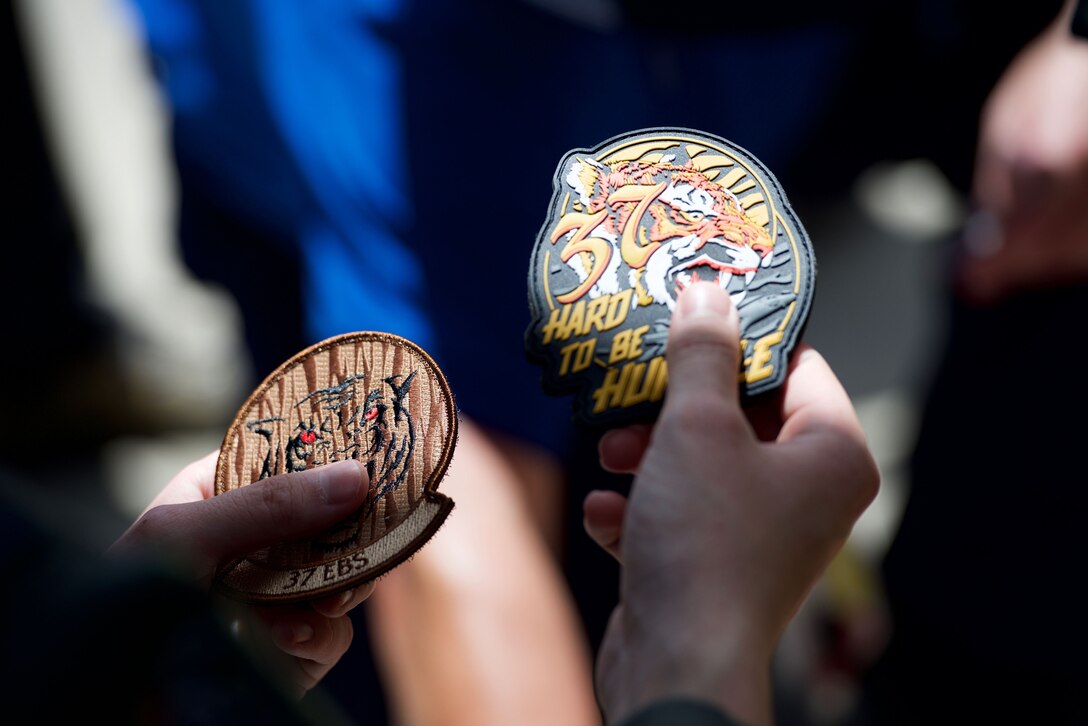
point(631, 224)
point(374, 398)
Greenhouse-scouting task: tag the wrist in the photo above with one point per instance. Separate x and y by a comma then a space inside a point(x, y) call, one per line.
point(723, 669)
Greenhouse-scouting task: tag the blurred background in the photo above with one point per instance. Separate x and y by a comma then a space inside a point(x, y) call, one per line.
point(151, 360)
point(129, 366)
point(123, 366)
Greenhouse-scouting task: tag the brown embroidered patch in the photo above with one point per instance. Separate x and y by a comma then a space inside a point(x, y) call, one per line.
point(373, 397)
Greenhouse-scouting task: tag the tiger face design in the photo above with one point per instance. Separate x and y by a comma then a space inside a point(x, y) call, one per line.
point(631, 223)
point(346, 421)
point(368, 396)
point(670, 224)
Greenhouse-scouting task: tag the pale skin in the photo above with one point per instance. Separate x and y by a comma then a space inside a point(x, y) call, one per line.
point(1031, 174)
point(463, 615)
point(479, 627)
point(732, 519)
point(203, 531)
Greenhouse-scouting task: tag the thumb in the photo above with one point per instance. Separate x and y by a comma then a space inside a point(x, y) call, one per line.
point(704, 346)
point(277, 509)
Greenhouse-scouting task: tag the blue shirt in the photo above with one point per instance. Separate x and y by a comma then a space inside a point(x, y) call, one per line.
point(407, 150)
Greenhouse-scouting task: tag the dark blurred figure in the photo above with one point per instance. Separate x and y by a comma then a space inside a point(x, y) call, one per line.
point(67, 612)
point(121, 640)
point(45, 308)
point(981, 578)
point(65, 395)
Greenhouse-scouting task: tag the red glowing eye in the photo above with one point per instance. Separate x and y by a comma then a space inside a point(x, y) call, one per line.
point(308, 437)
point(372, 414)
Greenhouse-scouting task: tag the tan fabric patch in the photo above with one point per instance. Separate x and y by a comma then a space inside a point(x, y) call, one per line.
point(373, 397)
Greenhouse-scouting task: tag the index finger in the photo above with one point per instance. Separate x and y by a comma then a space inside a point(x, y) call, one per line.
point(192, 484)
point(815, 401)
point(821, 428)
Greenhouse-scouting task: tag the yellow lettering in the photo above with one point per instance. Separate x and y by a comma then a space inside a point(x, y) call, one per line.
point(556, 323)
point(618, 305)
point(627, 345)
point(636, 341)
point(595, 312)
point(601, 314)
point(661, 381)
point(631, 384)
point(610, 393)
point(582, 353)
point(564, 363)
point(577, 317)
point(636, 393)
point(620, 344)
point(651, 383)
point(761, 356)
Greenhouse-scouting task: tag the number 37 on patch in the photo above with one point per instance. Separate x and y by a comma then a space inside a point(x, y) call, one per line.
point(633, 222)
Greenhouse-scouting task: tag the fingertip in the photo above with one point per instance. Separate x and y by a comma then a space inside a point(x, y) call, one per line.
point(704, 299)
point(603, 510)
point(815, 399)
point(341, 482)
point(620, 450)
point(704, 345)
point(341, 603)
point(804, 352)
point(291, 633)
point(603, 514)
point(597, 497)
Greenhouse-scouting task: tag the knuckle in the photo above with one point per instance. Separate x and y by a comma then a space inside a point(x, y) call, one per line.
point(705, 416)
point(160, 529)
point(702, 339)
point(860, 470)
point(869, 476)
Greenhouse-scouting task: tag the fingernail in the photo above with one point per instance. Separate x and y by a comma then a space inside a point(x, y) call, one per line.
point(339, 482)
point(295, 632)
point(703, 298)
point(345, 597)
point(303, 632)
point(607, 531)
